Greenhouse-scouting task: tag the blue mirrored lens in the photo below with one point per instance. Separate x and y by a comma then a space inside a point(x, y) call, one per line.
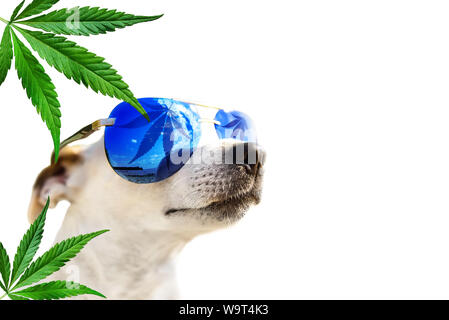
point(235, 125)
point(147, 152)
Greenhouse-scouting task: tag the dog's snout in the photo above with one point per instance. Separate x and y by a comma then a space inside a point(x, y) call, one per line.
point(249, 156)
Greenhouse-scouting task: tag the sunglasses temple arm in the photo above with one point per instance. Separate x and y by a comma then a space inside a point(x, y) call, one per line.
point(84, 133)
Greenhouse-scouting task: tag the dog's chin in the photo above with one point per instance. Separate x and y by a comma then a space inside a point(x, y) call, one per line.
point(231, 209)
point(227, 210)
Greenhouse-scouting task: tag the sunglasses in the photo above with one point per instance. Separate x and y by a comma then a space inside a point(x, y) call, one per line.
point(143, 151)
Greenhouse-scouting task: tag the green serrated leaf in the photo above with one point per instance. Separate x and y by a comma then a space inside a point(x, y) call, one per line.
point(36, 7)
point(39, 89)
point(82, 66)
point(6, 54)
point(28, 246)
point(56, 290)
point(85, 21)
point(16, 298)
point(55, 258)
point(5, 268)
point(16, 11)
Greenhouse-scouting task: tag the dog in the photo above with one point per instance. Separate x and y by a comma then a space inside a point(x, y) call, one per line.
point(149, 223)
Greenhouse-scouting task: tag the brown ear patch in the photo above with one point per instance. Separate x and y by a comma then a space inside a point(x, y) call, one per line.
point(56, 173)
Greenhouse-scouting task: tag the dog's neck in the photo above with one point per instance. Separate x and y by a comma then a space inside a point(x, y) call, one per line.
point(132, 261)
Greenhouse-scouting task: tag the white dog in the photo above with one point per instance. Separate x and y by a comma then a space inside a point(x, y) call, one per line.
point(149, 223)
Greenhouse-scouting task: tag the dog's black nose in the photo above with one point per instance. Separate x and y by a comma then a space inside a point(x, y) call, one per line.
point(249, 156)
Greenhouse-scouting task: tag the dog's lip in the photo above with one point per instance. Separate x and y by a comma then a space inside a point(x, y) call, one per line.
point(171, 211)
point(224, 202)
point(251, 196)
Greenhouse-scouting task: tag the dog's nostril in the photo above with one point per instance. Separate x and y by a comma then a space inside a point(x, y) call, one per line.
point(248, 156)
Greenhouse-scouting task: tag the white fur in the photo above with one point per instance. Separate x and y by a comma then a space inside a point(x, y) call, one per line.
point(135, 260)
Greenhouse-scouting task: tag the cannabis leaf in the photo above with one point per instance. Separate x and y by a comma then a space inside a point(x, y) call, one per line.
point(16, 11)
point(36, 7)
point(6, 54)
point(56, 290)
point(5, 267)
point(28, 246)
point(14, 297)
point(77, 63)
point(47, 264)
point(39, 89)
point(74, 61)
point(55, 258)
point(90, 21)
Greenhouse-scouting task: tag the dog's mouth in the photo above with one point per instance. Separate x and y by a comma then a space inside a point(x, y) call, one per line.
point(233, 206)
point(228, 199)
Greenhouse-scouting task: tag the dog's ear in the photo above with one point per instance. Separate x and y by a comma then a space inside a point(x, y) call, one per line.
point(52, 181)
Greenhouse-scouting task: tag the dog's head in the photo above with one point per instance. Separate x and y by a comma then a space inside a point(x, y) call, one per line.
point(214, 189)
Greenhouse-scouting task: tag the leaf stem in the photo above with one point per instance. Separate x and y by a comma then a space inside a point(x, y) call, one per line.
point(3, 296)
point(5, 21)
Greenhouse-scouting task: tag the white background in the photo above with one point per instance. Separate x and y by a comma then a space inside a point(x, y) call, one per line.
point(351, 102)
